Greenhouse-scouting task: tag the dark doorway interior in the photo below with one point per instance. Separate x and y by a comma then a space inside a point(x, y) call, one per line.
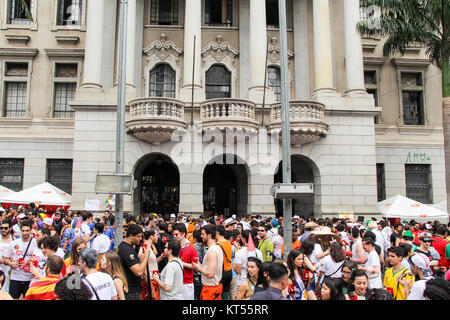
point(219, 190)
point(301, 172)
point(160, 184)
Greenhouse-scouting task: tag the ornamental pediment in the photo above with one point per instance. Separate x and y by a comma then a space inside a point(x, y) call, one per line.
point(274, 50)
point(163, 49)
point(220, 50)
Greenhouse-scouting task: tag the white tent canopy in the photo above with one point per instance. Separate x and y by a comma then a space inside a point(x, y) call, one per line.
point(4, 192)
point(42, 194)
point(405, 208)
point(441, 206)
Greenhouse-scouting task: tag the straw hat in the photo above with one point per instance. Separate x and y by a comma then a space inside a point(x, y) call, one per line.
point(325, 231)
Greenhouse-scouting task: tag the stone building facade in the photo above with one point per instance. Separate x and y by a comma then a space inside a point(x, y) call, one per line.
point(363, 126)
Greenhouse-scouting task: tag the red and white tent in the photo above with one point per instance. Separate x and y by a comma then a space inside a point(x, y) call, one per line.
point(44, 195)
point(405, 208)
point(5, 192)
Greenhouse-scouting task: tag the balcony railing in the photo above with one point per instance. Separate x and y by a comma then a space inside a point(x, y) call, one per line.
point(307, 121)
point(154, 119)
point(223, 113)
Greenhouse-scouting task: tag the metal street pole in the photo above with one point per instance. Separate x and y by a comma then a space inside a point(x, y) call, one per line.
point(120, 131)
point(285, 127)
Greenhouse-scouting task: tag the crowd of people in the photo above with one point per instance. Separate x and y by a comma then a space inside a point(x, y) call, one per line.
point(70, 255)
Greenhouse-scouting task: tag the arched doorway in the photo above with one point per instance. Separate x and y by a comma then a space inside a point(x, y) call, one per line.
point(158, 187)
point(302, 171)
point(225, 187)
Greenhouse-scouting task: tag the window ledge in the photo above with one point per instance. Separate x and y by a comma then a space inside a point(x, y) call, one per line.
point(8, 26)
point(157, 26)
point(15, 122)
point(56, 28)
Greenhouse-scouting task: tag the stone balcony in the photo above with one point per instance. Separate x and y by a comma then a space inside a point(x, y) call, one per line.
point(307, 121)
point(154, 119)
point(227, 113)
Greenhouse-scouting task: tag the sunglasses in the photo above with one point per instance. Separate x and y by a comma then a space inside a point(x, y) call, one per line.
point(4, 228)
point(261, 230)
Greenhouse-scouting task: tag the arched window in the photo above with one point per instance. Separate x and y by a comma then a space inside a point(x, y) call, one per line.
point(162, 81)
point(274, 81)
point(218, 82)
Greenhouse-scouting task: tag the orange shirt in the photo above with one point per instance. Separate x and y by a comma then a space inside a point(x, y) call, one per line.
point(226, 245)
point(295, 245)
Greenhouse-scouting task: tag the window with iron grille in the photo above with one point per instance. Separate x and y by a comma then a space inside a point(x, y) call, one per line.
point(381, 182)
point(418, 182)
point(272, 19)
point(412, 98)
point(69, 12)
point(218, 82)
point(371, 84)
point(11, 173)
point(162, 81)
point(64, 89)
point(59, 173)
point(219, 13)
point(17, 14)
point(274, 81)
point(15, 95)
point(164, 12)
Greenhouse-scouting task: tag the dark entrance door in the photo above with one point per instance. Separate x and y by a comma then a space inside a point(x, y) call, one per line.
point(160, 188)
point(301, 172)
point(219, 190)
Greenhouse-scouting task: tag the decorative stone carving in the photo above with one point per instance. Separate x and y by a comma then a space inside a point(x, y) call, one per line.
point(220, 52)
point(273, 51)
point(162, 51)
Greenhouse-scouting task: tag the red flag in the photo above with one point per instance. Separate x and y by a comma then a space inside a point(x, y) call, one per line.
point(250, 244)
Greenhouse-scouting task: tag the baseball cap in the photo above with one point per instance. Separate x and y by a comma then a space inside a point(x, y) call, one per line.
point(423, 263)
point(173, 216)
point(274, 222)
point(424, 236)
point(408, 233)
point(296, 217)
point(48, 221)
point(229, 221)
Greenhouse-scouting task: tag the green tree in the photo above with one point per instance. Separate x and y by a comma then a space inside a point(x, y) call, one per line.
point(403, 23)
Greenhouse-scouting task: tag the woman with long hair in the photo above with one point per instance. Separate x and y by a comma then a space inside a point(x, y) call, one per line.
point(112, 265)
point(255, 279)
point(73, 262)
point(331, 290)
point(333, 263)
point(301, 279)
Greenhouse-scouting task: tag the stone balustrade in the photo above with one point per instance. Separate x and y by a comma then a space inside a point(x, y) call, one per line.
point(307, 121)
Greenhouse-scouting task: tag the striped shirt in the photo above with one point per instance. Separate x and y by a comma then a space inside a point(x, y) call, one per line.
point(43, 289)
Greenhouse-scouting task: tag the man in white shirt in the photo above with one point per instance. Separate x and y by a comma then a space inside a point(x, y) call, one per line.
point(18, 257)
point(5, 242)
point(85, 229)
point(420, 265)
point(101, 284)
point(373, 265)
point(101, 242)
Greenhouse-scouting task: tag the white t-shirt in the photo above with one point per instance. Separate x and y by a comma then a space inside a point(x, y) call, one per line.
point(417, 289)
point(373, 259)
point(241, 258)
point(103, 285)
point(278, 242)
point(16, 251)
point(356, 244)
point(317, 250)
point(272, 233)
point(101, 243)
point(172, 275)
point(4, 246)
point(331, 268)
point(42, 259)
point(85, 230)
